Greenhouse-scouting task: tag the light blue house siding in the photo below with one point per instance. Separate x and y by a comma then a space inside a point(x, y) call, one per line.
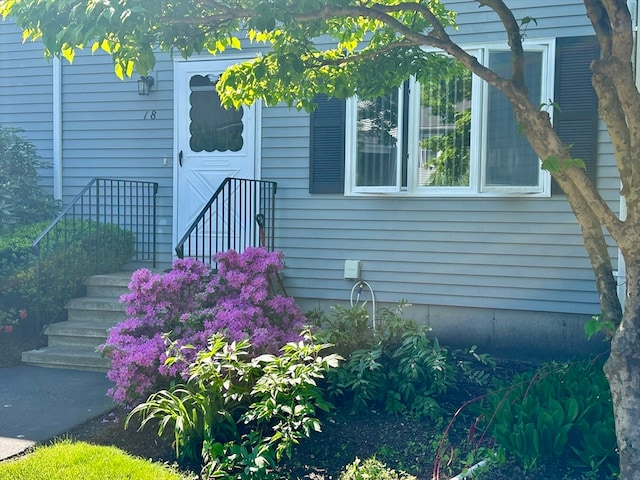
point(506, 273)
point(111, 131)
point(26, 92)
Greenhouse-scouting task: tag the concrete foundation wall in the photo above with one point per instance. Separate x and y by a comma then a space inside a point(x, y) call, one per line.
point(522, 335)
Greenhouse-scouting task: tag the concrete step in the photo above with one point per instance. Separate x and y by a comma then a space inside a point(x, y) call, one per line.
point(97, 309)
point(72, 344)
point(80, 333)
point(112, 285)
point(75, 358)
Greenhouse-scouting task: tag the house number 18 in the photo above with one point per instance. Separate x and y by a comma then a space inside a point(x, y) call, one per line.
point(150, 115)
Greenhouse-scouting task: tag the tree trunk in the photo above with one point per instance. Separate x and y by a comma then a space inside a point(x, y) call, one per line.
point(546, 143)
point(623, 372)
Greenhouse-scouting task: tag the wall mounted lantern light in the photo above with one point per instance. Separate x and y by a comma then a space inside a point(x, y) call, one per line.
point(145, 84)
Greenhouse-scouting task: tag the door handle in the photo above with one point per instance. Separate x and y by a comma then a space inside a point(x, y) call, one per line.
point(180, 158)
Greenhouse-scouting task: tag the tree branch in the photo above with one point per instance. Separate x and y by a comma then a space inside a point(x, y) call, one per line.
point(612, 113)
point(594, 200)
point(437, 38)
point(613, 79)
point(362, 56)
point(621, 31)
point(545, 142)
point(514, 38)
point(597, 249)
point(600, 22)
point(208, 20)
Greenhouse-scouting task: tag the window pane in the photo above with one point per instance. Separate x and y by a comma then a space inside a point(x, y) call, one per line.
point(445, 129)
point(510, 159)
point(377, 135)
point(212, 127)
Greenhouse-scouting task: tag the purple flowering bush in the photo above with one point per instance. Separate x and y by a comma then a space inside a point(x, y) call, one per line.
point(185, 307)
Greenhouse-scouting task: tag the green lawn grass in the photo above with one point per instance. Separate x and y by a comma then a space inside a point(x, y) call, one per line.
point(68, 460)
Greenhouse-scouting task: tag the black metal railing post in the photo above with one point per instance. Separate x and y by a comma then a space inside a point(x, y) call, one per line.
point(154, 237)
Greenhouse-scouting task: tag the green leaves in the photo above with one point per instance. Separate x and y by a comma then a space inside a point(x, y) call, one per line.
point(370, 469)
point(397, 367)
point(22, 199)
point(556, 164)
point(362, 50)
point(276, 396)
point(94, 250)
point(596, 324)
point(560, 411)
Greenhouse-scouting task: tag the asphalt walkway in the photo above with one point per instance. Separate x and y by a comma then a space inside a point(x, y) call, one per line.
point(38, 404)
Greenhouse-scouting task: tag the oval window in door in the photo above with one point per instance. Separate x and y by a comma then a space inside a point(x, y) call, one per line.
point(212, 128)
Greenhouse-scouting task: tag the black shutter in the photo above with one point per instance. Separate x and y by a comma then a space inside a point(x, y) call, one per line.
point(326, 155)
point(576, 120)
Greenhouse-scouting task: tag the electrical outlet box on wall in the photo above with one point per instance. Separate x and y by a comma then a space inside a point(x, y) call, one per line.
point(352, 269)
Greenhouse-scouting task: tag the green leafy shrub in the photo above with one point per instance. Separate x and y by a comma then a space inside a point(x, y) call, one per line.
point(396, 367)
point(15, 256)
point(15, 248)
point(562, 412)
point(22, 200)
point(371, 469)
point(347, 329)
point(74, 250)
point(404, 380)
point(239, 415)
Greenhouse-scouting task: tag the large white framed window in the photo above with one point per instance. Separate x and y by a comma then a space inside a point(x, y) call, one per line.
point(453, 136)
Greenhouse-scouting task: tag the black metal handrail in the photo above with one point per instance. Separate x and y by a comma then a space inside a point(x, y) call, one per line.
point(240, 214)
point(109, 223)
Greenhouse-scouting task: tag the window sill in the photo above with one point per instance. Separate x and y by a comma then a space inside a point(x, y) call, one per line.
point(449, 195)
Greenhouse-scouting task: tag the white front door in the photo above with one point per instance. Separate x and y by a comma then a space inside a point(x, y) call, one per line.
point(212, 143)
